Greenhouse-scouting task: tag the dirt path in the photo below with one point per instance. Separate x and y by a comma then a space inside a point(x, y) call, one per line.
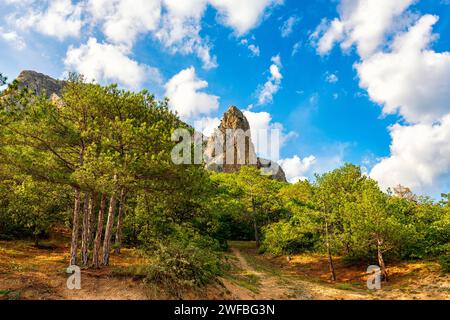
point(278, 285)
point(270, 288)
point(273, 282)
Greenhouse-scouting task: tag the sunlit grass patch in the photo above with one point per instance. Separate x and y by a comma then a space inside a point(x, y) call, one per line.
point(244, 278)
point(345, 286)
point(242, 244)
point(247, 280)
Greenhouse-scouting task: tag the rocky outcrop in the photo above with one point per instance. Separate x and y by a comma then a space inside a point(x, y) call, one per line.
point(231, 147)
point(40, 83)
point(272, 168)
point(234, 119)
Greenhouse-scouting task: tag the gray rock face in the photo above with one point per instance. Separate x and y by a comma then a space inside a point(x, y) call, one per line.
point(234, 119)
point(231, 147)
point(40, 83)
point(272, 168)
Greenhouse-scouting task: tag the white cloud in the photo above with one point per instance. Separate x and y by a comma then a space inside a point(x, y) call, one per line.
point(123, 20)
point(411, 79)
point(176, 24)
point(276, 60)
point(273, 83)
point(13, 38)
point(254, 49)
point(259, 121)
point(288, 26)
point(105, 62)
point(185, 96)
point(326, 35)
point(262, 127)
point(180, 30)
point(18, 2)
point(364, 23)
point(420, 158)
point(242, 16)
point(58, 18)
point(405, 76)
point(331, 78)
point(330, 158)
point(207, 125)
point(296, 48)
point(297, 169)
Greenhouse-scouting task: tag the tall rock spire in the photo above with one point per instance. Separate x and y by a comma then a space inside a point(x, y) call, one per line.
point(234, 119)
point(231, 147)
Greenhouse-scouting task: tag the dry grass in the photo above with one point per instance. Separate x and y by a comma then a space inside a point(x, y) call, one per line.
point(31, 273)
point(307, 276)
point(34, 273)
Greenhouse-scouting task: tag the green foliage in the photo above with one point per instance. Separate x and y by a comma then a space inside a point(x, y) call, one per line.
point(445, 263)
point(374, 226)
point(284, 238)
point(360, 218)
point(251, 200)
point(38, 206)
point(235, 222)
point(101, 140)
point(3, 80)
point(184, 260)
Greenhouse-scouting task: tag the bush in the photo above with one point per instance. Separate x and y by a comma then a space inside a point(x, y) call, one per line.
point(445, 263)
point(184, 261)
point(283, 238)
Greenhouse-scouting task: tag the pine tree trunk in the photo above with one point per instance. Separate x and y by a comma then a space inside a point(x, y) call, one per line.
point(330, 257)
point(384, 272)
point(91, 219)
point(255, 227)
point(118, 238)
point(108, 230)
point(99, 233)
point(75, 228)
point(85, 230)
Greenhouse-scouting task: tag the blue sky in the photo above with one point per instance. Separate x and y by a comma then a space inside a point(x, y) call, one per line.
point(361, 81)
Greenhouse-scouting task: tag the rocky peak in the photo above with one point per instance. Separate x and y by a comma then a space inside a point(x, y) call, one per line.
point(235, 126)
point(40, 83)
point(234, 119)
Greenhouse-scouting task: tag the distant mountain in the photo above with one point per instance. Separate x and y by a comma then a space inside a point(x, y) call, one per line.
point(40, 83)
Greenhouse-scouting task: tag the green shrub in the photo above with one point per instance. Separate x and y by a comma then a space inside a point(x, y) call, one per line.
point(283, 238)
point(184, 261)
point(445, 263)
